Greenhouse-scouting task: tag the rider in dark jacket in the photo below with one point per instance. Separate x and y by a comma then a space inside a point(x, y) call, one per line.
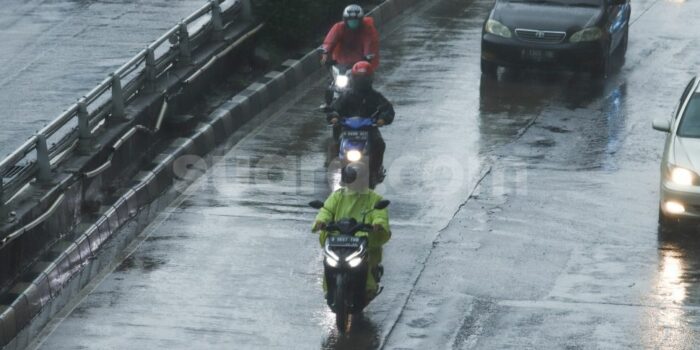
point(362, 100)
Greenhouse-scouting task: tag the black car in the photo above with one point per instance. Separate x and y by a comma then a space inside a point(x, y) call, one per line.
point(574, 34)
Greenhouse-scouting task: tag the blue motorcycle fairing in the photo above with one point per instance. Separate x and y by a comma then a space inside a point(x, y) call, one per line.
point(347, 145)
point(356, 123)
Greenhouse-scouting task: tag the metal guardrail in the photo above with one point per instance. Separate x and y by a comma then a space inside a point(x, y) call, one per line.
point(104, 105)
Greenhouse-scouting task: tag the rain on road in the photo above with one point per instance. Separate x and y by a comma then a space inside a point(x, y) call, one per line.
point(523, 212)
point(54, 51)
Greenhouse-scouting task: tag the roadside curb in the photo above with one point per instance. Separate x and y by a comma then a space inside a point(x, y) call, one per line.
point(99, 244)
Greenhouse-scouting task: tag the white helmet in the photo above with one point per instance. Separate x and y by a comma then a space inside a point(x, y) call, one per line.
point(353, 15)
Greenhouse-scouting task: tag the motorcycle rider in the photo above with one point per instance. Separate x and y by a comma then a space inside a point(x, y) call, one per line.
point(353, 39)
point(354, 200)
point(362, 100)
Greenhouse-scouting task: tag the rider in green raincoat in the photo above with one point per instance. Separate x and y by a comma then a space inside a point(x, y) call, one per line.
point(353, 201)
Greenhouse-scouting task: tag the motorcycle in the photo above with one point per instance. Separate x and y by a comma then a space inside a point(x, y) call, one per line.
point(346, 264)
point(341, 80)
point(355, 145)
point(340, 74)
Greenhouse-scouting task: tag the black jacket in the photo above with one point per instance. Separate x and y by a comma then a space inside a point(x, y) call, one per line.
point(363, 104)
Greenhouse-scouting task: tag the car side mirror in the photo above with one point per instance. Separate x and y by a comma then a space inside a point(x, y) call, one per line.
point(317, 204)
point(661, 125)
point(382, 204)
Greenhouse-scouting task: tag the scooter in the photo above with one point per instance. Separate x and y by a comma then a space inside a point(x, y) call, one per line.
point(340, 74)
point(346, 264)
point(355, 145)
point(340, 82)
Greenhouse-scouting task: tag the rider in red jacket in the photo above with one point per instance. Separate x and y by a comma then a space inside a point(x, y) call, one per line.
point(352, 40)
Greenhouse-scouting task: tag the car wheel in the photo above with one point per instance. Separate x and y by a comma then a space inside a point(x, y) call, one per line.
point(623, 42)
point(602, 69)
point(489, 69)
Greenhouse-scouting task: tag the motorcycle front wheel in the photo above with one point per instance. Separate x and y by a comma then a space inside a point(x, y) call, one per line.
point(342, 316)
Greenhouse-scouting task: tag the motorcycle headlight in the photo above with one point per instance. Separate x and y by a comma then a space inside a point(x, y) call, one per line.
point(341, 81)
point(354, 262)
point(682, 176)
point(588, 34)
point(331, 262)
point(497, 28)
point(353, 155)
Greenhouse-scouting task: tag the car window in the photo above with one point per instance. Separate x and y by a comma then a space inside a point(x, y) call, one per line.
point(690, 124)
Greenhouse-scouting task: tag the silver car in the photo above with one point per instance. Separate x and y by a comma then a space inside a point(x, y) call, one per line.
point(680, 183)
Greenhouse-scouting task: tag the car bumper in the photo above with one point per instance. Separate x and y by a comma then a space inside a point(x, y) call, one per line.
point(687, 196)
point(513, 52)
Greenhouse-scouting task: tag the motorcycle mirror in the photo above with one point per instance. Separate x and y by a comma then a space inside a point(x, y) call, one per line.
point(316, 204)
point(382, 204)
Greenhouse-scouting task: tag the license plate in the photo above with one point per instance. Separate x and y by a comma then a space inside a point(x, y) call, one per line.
point(355, 135)
point(536, 55)
point(344, 241)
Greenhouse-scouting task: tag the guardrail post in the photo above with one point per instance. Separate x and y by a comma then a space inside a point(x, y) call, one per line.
point(42, 159)
point(117, 100)
point(150, 71)
point(184, 45)
point(217, 23)
point(84, 133)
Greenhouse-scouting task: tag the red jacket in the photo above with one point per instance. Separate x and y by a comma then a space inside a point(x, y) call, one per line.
point(349, 46)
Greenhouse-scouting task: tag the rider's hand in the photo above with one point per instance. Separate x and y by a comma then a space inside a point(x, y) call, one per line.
point(380, 122)
point(377, 228)
point(324, 59)
point(318, 225)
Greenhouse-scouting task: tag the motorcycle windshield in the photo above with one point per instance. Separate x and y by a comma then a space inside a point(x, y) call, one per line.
point(357, 123)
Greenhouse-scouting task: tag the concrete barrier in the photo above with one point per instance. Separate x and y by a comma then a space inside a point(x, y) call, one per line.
point(54, 283)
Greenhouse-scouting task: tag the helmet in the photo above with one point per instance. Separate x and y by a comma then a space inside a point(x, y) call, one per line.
point(355, 176)
point(352, 16)
point(362, 75)
point(348, 174)
point(362, 69)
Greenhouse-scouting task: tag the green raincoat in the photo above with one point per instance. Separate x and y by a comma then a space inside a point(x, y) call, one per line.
point(344, 204)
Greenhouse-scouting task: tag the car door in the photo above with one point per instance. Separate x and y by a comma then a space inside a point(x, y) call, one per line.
point(617, 13)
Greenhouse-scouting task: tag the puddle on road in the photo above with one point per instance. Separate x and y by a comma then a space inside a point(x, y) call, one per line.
point(364, 334)
point(143, 263)
point(676, 290)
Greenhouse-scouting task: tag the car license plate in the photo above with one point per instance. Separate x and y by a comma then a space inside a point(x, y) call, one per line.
point(536, 55)
point(355, 135)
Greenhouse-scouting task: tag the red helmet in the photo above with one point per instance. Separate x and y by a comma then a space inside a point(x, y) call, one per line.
point(362, 69)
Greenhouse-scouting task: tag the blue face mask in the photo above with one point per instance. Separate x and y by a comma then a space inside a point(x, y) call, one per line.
point(353, 23)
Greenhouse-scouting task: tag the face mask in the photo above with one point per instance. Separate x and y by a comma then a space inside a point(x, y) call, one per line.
point(353, 23)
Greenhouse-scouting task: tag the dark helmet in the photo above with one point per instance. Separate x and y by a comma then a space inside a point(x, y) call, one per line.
point(352, 16)
point(348, 174)
point(362, 75)
point(355, 176)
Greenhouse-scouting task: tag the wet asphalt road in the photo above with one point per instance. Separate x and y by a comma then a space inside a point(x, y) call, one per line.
point(55, 51)
point(524, 214)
